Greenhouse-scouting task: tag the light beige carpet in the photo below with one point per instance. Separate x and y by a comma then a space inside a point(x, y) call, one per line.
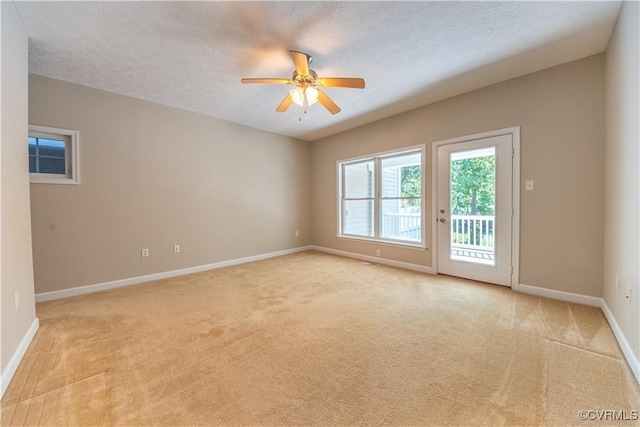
point(317, 339)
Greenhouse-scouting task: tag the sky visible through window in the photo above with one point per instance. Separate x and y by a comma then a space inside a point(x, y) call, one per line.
point(43, 142)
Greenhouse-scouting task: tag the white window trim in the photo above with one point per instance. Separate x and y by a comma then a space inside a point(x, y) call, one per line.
point(72, 153)
point(377, 240)
point(384, 242)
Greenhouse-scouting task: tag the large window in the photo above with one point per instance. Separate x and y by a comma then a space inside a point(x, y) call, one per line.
point(53, 155)
point(381, 197)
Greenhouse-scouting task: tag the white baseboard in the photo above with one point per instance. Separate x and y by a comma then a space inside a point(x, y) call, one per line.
point(627, 351)
point(14, 362)
point(81, 290)
point(560, 295)
point(375, 259)
point(631, 357)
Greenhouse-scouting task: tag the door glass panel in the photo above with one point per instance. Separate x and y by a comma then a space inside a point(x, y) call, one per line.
point(473, 196)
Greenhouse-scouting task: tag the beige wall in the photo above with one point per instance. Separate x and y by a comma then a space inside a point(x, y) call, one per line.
point(223, 191)
point(561, 114)
point(622, 161)
point(16, 261)
point(154, 176)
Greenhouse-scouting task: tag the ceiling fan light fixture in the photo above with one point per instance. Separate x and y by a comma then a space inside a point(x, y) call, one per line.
point(306, 80)
point(297, 94)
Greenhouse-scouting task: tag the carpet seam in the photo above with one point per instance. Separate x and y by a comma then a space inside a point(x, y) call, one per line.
point(584, 349)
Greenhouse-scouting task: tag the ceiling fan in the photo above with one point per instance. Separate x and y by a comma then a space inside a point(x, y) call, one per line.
point(308, 85)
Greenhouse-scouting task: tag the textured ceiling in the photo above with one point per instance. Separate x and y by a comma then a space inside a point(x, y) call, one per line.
point(191, 55)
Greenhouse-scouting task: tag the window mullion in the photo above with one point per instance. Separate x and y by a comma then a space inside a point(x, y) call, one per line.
point(38, 155)
point(400, 198)
point(377, 208)
point(343, 196)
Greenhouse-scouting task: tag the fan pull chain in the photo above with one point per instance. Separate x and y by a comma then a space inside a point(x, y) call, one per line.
point(304, 110)
point(305, 103)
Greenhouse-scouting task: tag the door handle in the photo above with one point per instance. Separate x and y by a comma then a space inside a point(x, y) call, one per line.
point(443, 220)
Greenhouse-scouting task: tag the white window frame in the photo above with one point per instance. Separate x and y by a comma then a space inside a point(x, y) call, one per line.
point(72, 155)
point(377, 199)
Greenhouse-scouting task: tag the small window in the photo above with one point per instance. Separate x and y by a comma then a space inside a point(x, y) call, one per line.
point(53, 155)
point(381, 197)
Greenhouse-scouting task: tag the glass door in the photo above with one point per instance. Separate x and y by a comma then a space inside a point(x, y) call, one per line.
point(474, 210)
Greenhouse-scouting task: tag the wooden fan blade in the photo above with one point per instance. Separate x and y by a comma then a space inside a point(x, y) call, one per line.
point(301, 62)
point(284, 105)
point(266, 80)
point(328, 103)
point(351, 82)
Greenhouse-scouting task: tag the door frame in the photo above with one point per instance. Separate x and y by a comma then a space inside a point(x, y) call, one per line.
point(515, 195)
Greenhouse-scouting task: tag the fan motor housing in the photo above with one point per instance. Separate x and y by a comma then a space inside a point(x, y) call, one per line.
point(309, 80)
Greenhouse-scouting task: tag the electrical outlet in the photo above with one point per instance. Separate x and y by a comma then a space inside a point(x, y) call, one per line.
point(176, 249)
point(377, 252)
point(297, 233)
point(17, 298)
point(145, 252)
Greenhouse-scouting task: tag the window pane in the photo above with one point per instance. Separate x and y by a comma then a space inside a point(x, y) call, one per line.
point(401, 220)
point(53, 156)
point(51, 147)
point(32, 146)
point(48, 165)
point(358, 180)
point(358, 217)
point(473, 182)
point(401, 176)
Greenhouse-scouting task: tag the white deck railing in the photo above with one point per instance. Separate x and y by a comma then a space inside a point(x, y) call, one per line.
point(472, 231)
point(402, 226)
point(467, 231)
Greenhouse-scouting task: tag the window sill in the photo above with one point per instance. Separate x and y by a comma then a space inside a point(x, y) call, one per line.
point(416, 246)
point(34, 179)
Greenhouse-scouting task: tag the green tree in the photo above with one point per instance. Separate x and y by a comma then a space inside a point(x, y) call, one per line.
point(473, 186)
point(411, 184)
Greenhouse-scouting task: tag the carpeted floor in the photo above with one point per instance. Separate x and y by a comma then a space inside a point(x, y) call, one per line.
point(312, 338)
